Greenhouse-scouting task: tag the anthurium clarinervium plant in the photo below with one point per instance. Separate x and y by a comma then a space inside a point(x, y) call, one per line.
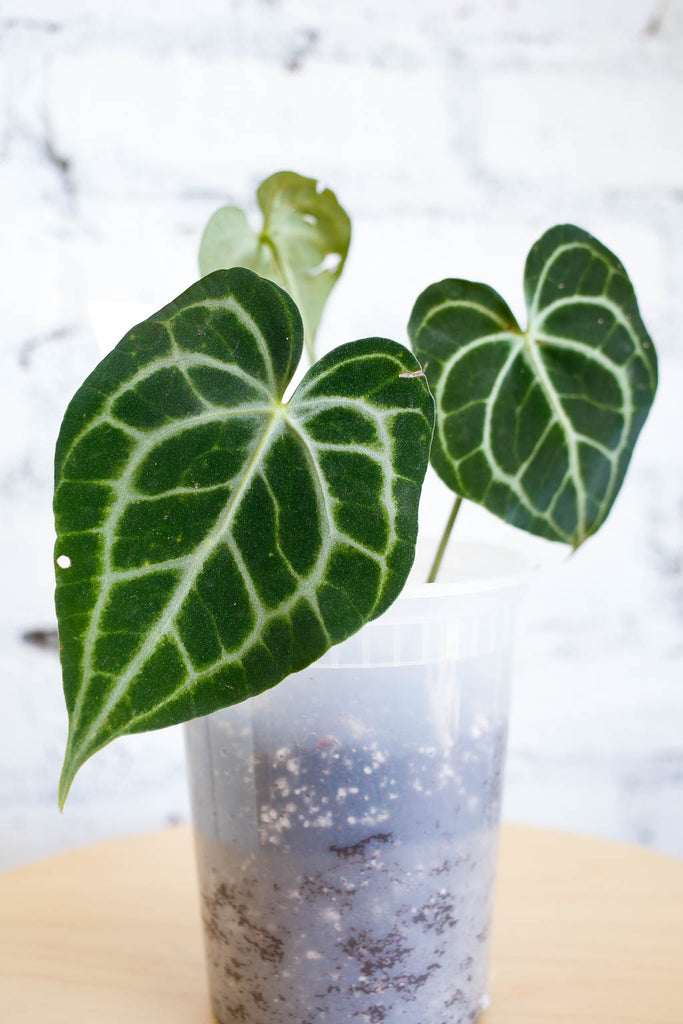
point(213, 538)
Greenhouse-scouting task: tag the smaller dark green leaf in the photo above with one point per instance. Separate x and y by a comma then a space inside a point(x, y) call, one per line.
point(302, 246)
point(538, 426)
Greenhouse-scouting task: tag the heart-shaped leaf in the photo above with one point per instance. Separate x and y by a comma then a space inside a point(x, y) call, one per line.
point(539, 425)
point(302, 246)
point(210, 538)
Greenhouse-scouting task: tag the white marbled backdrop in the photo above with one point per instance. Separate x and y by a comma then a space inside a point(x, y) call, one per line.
point(455, 132)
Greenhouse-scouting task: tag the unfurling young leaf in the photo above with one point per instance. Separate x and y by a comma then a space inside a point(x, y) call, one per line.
point(302, 246)
point(212, 539)
point(538, 426)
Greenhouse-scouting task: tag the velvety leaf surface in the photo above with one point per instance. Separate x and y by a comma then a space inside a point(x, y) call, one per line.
point(211, 539)
point(302, 246)
point(539, 425)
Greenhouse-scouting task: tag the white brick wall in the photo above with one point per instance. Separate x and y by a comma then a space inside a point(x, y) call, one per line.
point(455, 133)
point(598, 130)
point(172, 119)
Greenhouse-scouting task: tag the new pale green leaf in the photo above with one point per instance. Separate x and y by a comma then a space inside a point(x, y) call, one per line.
point(302, 246)
point(210, 538)
point(539, 425)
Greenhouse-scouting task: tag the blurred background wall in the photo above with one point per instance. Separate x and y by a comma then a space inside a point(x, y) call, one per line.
point(454, 133)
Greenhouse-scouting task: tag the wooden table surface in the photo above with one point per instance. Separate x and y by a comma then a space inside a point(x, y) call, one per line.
point(586, 932)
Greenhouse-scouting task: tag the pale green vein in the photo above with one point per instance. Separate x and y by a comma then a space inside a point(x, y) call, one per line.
point(451, 304)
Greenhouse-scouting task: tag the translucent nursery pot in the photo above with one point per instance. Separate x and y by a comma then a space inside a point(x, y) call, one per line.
point(347, 821)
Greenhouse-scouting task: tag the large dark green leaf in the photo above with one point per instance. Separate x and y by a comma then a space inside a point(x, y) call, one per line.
point(302, 245)
point(212, 539)
point(539, 425)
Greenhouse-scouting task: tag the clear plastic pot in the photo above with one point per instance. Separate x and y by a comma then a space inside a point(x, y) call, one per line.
point(347, 821)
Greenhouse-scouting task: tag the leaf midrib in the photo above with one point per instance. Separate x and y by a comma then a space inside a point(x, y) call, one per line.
point(194, 562)
point(164, 624)
point(541, 373)
point(312, 580)
point(528, 342)
point(309, 583)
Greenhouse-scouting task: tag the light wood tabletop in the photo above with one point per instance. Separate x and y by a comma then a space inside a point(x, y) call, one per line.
point(586, 932)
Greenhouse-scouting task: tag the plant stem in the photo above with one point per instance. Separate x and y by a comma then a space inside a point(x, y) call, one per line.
point(443, 543)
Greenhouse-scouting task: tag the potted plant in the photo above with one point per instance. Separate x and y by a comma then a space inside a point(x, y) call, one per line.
point(214, 540)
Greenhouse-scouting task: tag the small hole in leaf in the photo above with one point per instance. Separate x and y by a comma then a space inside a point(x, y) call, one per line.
point(309, 218)
point(320, 187)
point(330, 262)
point(64, 562)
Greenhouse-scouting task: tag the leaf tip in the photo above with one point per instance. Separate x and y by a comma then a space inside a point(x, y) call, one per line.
point(70, 768)
point(65, 780)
